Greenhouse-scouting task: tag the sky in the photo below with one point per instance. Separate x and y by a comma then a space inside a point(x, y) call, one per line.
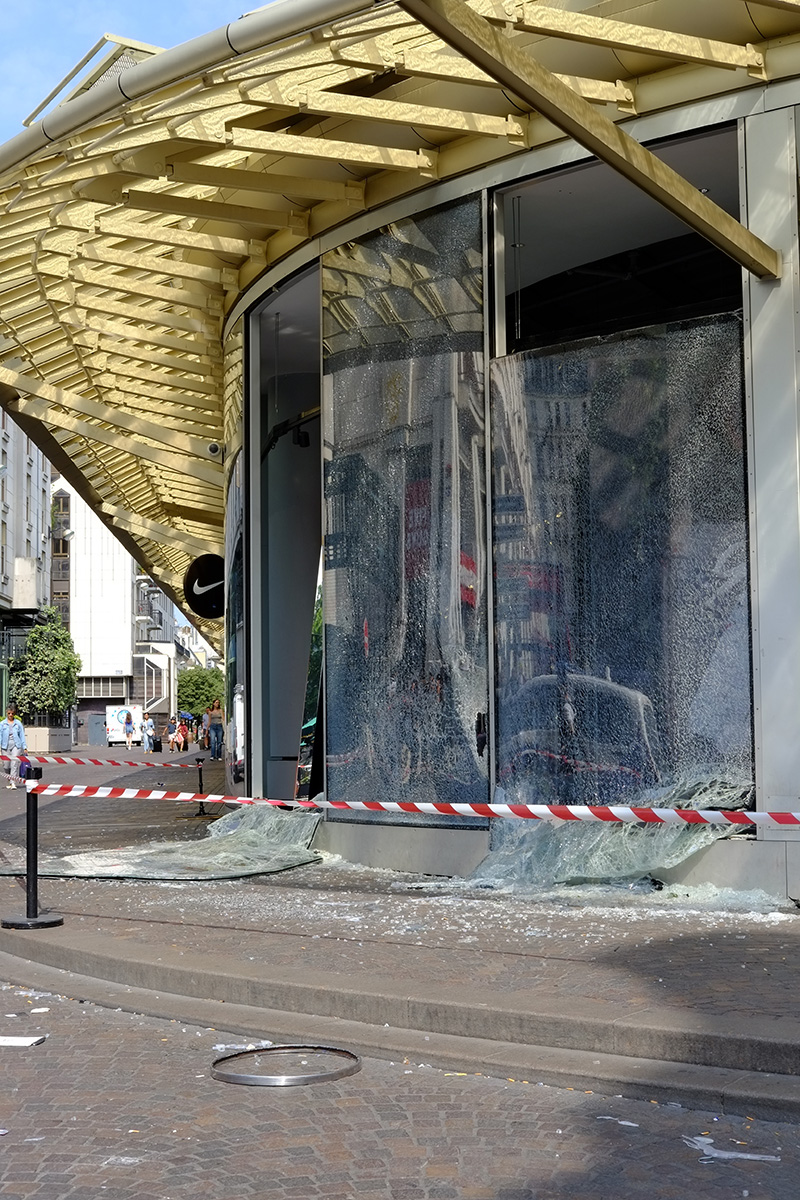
point(42, 40)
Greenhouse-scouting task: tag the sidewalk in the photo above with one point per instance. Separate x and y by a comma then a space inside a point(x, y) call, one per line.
point(633, 994)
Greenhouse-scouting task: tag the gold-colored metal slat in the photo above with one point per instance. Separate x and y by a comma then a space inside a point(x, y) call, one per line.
point(229, 171)
point(83, 406)
point(120, 392)
point(464, 29)
point(215, 210)
point(266, 182)
point(202, 515)
point(125, 443)
point(84, 298)
point(157, 531)
point(139, 335)
point(621, 35)
point(327, 149)
point(383, 54)
point(118, 389)
point(176, 378)
point(203, 301)
point(131, 356)
point(395, 112)
point(156, 264)
point(168, 235)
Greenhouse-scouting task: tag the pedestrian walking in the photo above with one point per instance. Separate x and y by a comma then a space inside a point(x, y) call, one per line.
point(204, 735)
point(170, 731)
point(182, 736)
point(127, 729)
point(12, 743)
point(148, 733)
point(216, 720)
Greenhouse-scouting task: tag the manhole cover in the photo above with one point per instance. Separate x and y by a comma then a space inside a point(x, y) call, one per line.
point(285, 1066)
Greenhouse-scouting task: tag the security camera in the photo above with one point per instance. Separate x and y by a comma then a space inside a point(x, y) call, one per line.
point(214, 449)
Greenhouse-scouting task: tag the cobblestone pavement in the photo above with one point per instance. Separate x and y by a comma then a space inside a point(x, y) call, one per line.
point(119, 1105)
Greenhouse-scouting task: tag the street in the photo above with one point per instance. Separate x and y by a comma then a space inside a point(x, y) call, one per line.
point(125, 1105)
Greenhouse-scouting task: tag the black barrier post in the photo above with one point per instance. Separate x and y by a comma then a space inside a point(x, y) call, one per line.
point(32, 918)
point(201, 812)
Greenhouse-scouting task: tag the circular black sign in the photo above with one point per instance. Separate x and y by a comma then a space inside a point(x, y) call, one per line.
point(204, 586)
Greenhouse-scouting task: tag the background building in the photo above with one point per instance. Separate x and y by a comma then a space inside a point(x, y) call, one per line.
point(122, 624)
point(24, 540)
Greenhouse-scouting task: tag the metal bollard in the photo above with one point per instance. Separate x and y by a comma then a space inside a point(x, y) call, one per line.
point(201, 812)
point(32, 919)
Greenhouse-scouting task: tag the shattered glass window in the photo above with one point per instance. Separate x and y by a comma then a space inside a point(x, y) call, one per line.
point(620, 559)
point(404, 580)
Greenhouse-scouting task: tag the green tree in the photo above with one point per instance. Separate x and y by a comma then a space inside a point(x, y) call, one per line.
point(45, 678)
point(199, 687)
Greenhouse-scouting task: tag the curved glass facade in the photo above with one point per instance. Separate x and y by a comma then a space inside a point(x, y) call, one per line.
point(582, 633)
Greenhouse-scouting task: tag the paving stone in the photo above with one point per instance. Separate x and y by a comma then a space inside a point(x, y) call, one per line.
point(124, 1106)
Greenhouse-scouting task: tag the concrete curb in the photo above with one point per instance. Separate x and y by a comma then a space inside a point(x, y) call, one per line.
point(764, 1096)
point(532, 1028)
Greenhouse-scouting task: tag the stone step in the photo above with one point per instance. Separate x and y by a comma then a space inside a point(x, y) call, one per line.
point(756, 1094)
point(531, 1016)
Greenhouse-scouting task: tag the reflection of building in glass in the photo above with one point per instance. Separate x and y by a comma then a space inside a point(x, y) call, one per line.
point(404, 487)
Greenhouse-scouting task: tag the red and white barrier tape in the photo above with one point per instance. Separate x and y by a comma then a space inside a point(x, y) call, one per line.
point(611, 814)
point(62, 761)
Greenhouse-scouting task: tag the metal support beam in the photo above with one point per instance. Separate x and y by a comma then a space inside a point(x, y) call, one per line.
point(381, 53)
point(621, 35)
point(127, 423)
point(156, 531)
point(128, 444)
point(356, 154)
point(489, 48)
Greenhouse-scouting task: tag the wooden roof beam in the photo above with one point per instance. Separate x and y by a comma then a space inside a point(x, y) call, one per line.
point(474, 37)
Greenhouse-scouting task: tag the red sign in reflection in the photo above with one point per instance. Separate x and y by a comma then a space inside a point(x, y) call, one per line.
point(417, 528)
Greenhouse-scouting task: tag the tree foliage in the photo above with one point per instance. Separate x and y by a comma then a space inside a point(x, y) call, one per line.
point(199, 687)
point(45, 678)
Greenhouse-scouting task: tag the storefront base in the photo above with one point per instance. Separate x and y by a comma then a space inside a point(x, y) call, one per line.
point(423, 851)
point(743, 864)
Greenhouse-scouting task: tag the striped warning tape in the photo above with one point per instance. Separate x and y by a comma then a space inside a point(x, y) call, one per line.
point(63, 761)
point(611, 814)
